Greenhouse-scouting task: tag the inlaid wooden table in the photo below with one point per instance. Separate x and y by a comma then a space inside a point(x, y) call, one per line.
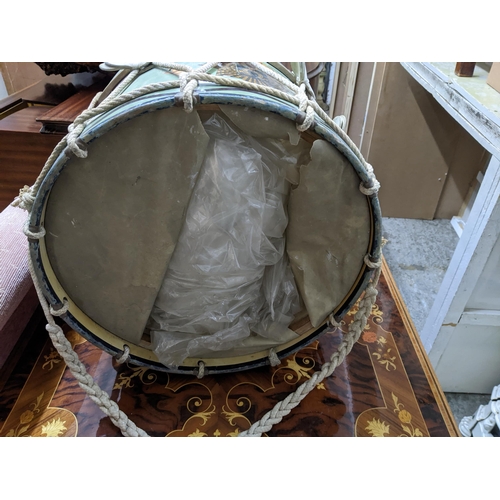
point(385, 387)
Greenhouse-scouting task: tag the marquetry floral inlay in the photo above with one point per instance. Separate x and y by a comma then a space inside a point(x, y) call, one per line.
point(230, 415)
point(204, 415)
point(52, 359)
point(369, 337)
point(54, 428)
point(299, 370)
point(25, 419)
point(197, 434)
point(377, 428)
point(125, 379)
point(385, 358)
point(405, 418)
point(377, 315)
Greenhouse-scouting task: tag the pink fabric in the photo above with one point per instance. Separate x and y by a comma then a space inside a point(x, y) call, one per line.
point(15, 280)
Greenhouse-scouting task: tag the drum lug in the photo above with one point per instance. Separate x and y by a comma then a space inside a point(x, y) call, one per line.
point(59, 308)
point(201, 371)
point(337, 319)
point(179, 99)
point(300, 118)
point(69, 153)
point(367, 188)
point(34, 233)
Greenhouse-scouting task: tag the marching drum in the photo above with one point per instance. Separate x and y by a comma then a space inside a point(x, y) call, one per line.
point(204, 215)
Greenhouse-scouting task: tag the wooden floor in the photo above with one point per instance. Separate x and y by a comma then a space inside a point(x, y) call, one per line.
point(385, 387)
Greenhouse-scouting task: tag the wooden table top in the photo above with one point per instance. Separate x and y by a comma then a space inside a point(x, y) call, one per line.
point(385, 387)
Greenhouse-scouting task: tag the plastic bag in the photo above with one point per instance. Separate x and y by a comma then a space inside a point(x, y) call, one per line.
point(229, 279)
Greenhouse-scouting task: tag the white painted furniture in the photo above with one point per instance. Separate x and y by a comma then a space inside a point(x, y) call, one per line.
point(462, 332)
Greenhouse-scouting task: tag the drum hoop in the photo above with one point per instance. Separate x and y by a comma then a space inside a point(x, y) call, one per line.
point(163, 100)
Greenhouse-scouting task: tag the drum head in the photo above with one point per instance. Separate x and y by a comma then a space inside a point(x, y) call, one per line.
point(113, 220)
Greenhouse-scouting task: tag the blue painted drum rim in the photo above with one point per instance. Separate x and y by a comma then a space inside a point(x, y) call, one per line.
point(214, 95)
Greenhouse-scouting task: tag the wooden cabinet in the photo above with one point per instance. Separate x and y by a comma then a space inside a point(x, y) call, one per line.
point(23, 151)
point(24, 147)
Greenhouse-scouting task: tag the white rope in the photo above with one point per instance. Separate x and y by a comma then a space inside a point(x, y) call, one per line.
point(62, 310)
point(273, 74)
point(187, 92)
point(201, 370)
point(125, 355)
point(34, 235)
point(332, 321)
point(370, 263)
point(273, 357)
point(305, 108)
point(188, 84)
point(371, 190)
point(341, 121)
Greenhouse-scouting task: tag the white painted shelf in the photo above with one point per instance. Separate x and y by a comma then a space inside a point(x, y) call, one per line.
point(462, 332)
point(470, 100)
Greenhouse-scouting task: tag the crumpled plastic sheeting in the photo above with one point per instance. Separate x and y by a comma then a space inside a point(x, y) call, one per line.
point(229, 279)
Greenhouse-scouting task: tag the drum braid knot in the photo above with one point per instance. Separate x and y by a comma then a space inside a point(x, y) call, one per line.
point(125, 355)
point(62, 310)
point(189, 81)
point(75, 144)
point(273, 357)
point(25, 199)
point(188, 84)
point(306, 108)
point(333, 322)
point(35, 235)
point(373, 186)
point(372, 189)
point(201, 370)
point(371, 263)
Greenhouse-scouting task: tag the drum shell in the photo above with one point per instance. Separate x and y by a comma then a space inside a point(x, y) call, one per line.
point(207, 97)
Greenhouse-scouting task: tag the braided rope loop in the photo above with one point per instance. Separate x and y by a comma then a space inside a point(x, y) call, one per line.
point(78, 370)
point(283, 408)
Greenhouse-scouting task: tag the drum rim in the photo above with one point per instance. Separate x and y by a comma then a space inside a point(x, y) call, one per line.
point(213, 95)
